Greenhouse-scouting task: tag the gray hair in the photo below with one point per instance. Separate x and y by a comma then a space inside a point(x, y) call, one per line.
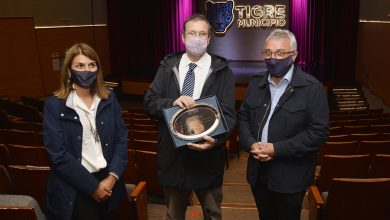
point(284, 34)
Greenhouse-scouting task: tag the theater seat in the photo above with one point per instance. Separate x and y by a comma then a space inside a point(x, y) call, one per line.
point(357, 199)
point(16, 207)
point(135, 205)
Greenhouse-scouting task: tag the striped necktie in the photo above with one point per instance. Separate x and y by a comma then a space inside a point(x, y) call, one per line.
point(189, 81)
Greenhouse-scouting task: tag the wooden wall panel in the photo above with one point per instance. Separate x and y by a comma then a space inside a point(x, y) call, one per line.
point(373, 59)
point(20, 72)
point(57, 40)
point(26, 67)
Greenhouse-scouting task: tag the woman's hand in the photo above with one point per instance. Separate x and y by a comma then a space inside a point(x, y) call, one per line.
point(104, 190)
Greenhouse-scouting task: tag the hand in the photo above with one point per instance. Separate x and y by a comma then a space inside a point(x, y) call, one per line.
point(258, 152)
point(185, 102)
point(267, 148)
point(104, 190)
point(208, 143)
point(101, 194)
point(108, 183)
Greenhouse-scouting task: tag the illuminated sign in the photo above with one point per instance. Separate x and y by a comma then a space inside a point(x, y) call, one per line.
point(261, 16)
point(222, 14)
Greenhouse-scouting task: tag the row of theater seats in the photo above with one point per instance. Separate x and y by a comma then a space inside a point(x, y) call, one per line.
point(22, 195)
point(352, 176)
point(354, 147)
point(142, 150)
point(29, 177)
point(351, 187)
point(30, 110)
point(20, 137)
point(351, 198)
point(369, 122)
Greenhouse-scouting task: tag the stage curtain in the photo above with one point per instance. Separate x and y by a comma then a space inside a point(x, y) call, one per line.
point(340, 25)
point(179, 11)
point(142, 32)
point(326, 32)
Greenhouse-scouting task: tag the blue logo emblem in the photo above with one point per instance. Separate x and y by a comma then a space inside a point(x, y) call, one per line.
point(220, 15)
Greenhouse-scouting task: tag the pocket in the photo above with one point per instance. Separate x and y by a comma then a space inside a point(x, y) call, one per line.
point(293, 114)
point(294, 106)
point(254, 103)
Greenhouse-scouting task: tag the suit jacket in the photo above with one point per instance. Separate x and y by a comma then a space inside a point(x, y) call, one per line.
point(63, 143)
point(297, 128)
point(186, 168)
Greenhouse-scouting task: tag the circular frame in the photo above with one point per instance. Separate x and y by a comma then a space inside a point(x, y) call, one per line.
point(194, 117)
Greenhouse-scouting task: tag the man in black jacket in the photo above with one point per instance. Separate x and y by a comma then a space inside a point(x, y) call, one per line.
point(282, 123)
point(200, 166)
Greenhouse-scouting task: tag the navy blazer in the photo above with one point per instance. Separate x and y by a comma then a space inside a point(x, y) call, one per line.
point(297, 128)
point(63, 143)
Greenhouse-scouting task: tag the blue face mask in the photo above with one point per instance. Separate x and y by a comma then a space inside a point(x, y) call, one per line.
point(84, 79)
point(279, 68)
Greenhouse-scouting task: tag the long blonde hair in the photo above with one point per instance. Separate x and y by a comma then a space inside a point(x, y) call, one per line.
point(66, 82)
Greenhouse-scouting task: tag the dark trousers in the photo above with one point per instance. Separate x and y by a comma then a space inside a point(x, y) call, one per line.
point(277, 206)
point(86, 207)
point(177, 201)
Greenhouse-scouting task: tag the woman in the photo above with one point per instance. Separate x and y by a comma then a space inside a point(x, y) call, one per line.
point(86, 140)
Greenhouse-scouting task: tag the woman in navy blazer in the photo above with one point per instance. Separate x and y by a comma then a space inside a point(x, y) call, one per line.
point(86, 140)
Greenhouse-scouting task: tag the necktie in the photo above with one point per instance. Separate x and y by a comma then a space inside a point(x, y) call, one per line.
point(189, 81)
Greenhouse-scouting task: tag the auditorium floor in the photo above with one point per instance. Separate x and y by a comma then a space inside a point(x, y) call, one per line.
point(237, 203)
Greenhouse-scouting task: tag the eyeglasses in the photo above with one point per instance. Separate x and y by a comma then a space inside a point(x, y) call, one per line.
point(202, 35)
point(279, 54)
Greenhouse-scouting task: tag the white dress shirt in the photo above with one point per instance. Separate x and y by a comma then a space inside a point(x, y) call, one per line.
point(91, 154)
point(201, 72)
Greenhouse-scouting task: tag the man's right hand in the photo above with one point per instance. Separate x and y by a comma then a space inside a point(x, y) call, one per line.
point(186, 102)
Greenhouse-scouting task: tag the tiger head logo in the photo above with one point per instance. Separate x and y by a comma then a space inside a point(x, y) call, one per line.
point(220, 15)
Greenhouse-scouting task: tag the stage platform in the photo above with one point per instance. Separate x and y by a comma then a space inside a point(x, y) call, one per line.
point(242, 71)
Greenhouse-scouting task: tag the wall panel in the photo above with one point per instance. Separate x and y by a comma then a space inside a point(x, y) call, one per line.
point(373, 59)
point(20, 72)
point(55, 41)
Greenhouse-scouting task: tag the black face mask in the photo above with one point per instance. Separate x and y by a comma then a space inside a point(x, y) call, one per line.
point(279, 68)
point(84, 79)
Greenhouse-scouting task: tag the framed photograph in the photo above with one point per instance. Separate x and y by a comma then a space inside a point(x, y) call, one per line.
point(190, 125)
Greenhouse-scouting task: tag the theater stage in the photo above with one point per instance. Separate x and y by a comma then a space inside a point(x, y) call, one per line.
point(242, 71)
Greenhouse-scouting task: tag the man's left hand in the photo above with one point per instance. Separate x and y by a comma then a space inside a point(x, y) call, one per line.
point(208, 143)
point(267, 148)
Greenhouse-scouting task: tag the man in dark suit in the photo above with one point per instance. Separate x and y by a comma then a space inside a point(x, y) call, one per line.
point(282, 123)
point(197, 167)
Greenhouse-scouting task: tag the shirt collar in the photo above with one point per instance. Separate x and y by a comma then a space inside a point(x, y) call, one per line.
point(286, 77)
point(74, 100)
point(201, 63)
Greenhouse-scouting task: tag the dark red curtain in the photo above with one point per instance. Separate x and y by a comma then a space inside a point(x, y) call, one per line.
point(141, 33)
point(340, 21)
point(136, 33)
point(326, 32)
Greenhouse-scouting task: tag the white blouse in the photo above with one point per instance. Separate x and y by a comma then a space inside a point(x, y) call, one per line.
point(91, 153)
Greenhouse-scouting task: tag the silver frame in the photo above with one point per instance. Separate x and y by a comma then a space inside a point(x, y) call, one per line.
point(196, 136)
